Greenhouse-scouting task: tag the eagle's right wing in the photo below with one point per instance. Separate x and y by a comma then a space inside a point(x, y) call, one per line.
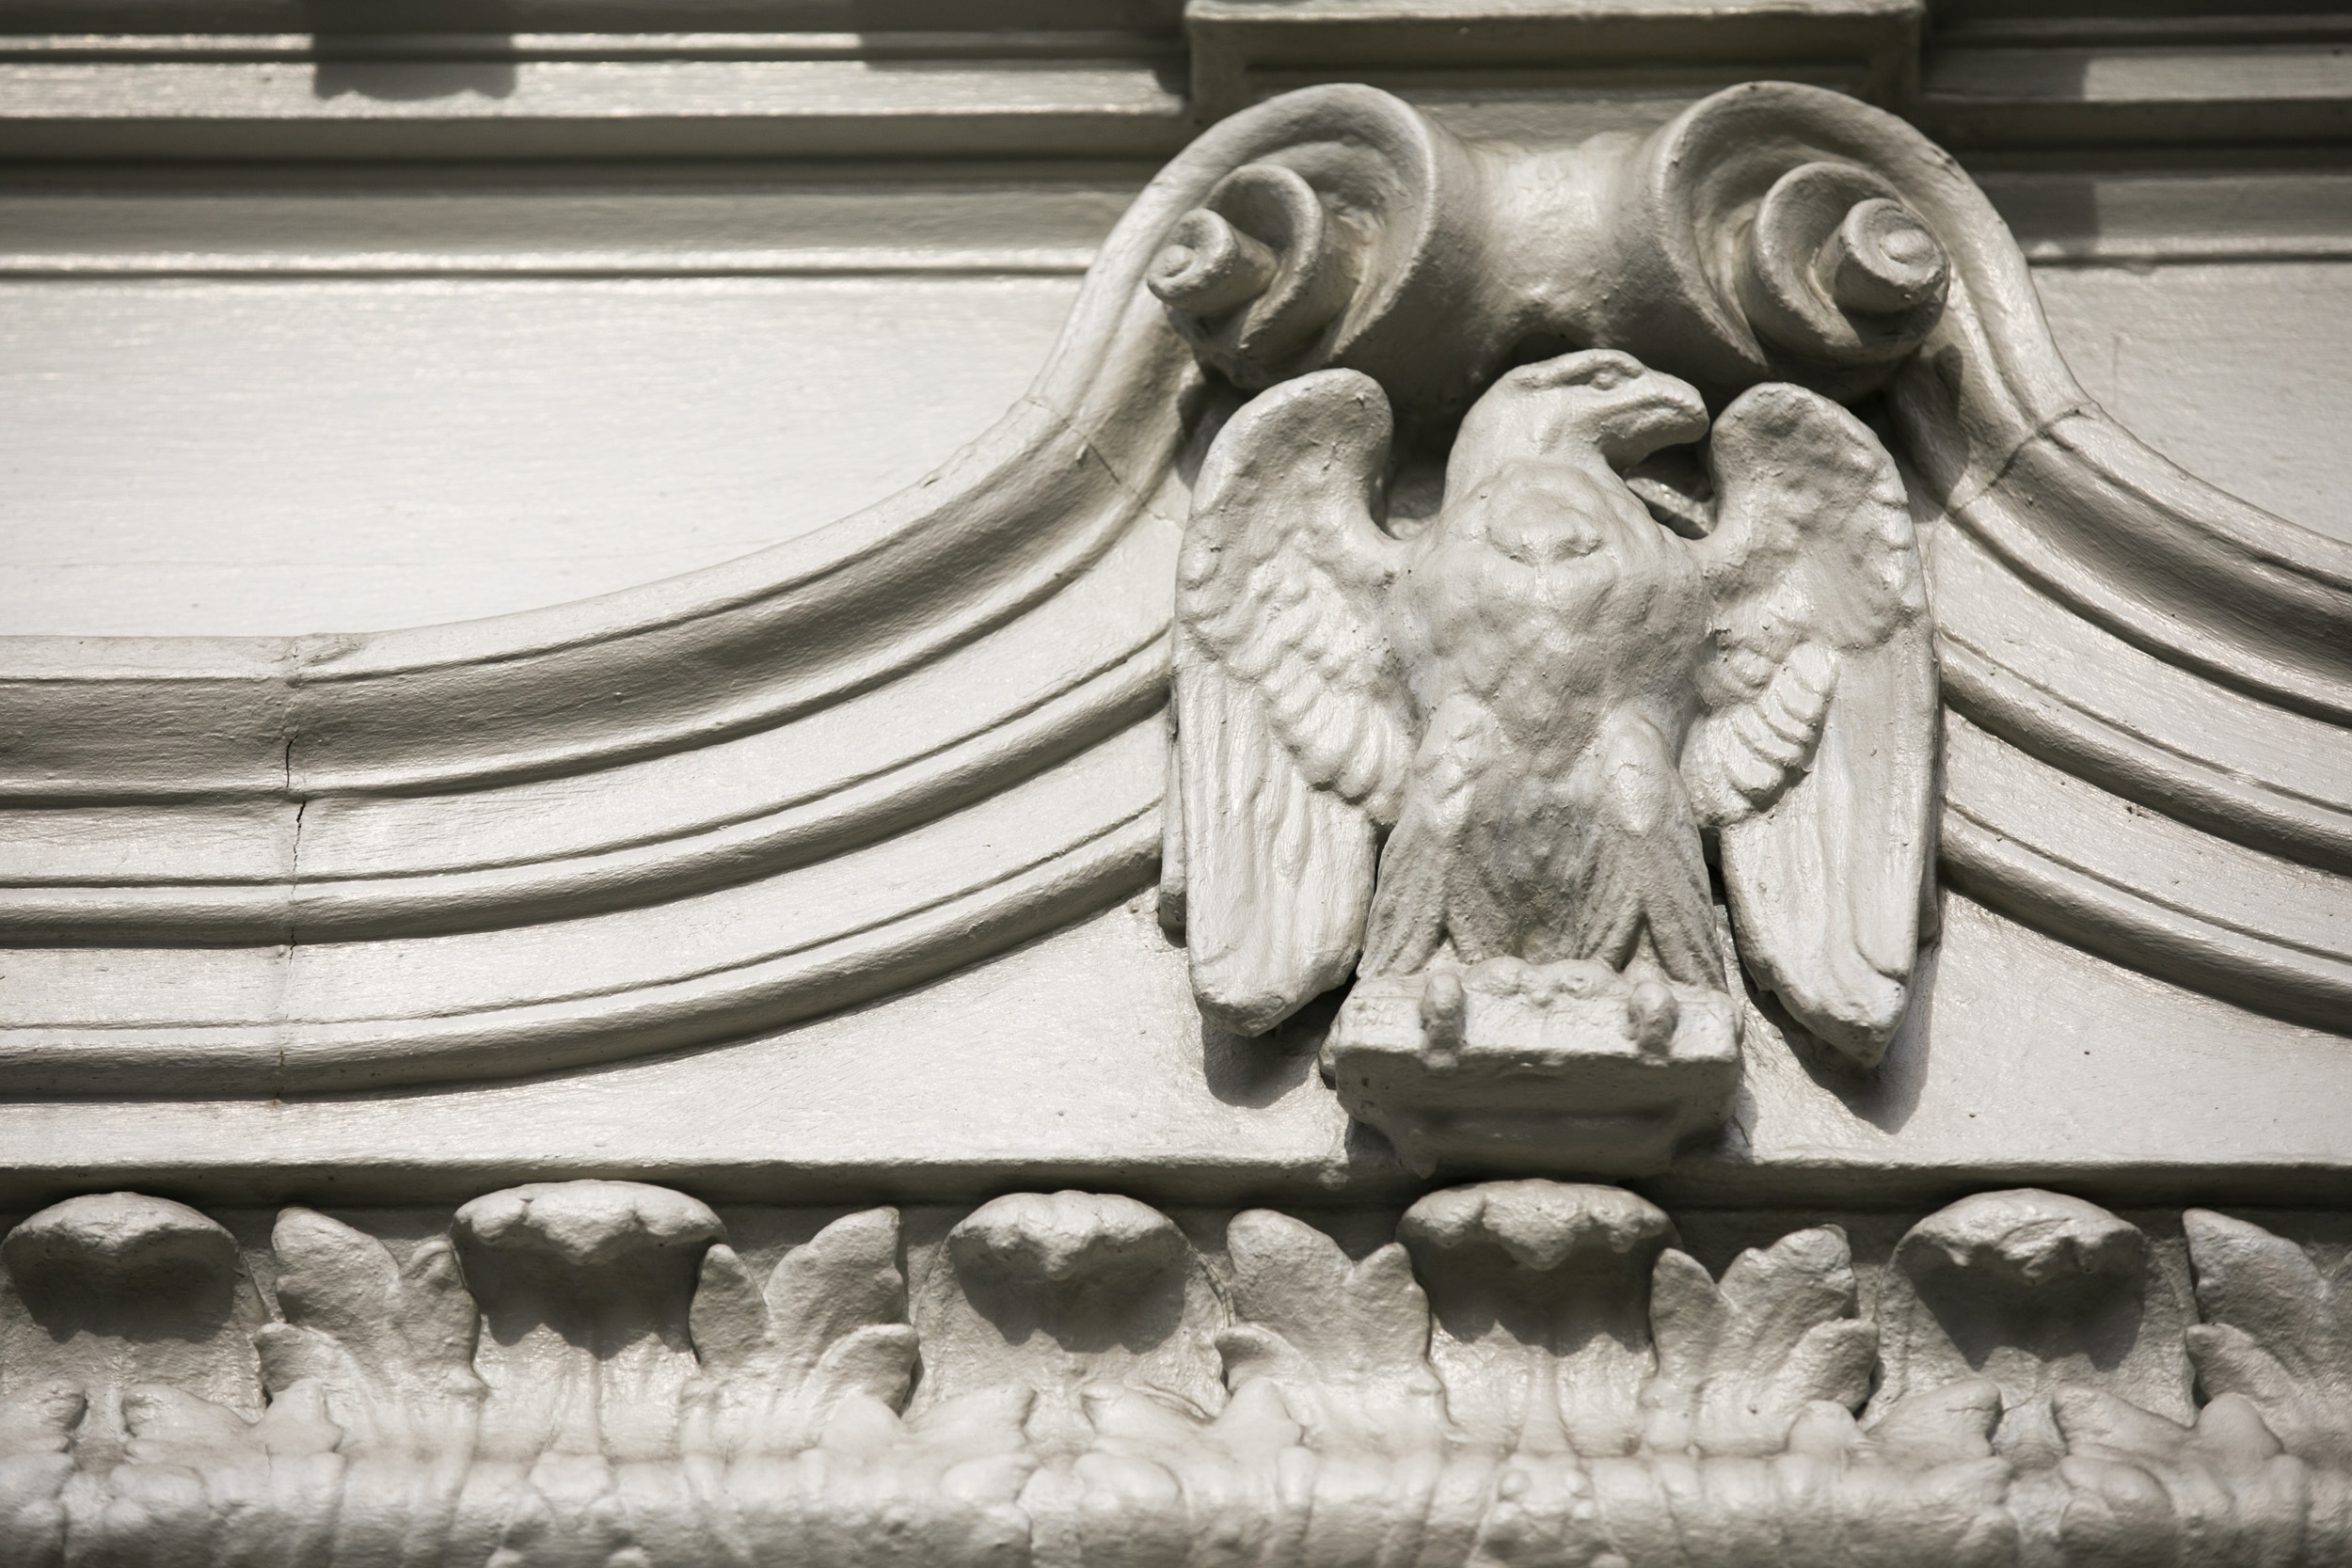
point(1292, 730)
point(1815, 763)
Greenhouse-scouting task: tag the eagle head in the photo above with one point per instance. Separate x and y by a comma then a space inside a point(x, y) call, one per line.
point(1595, 401)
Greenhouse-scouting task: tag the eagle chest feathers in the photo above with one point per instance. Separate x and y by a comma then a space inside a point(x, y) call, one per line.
point(1551, 594)
point(1503, 739)
point(1561, 625)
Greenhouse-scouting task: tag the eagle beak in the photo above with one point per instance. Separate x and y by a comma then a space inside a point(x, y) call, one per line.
point(1662, 412)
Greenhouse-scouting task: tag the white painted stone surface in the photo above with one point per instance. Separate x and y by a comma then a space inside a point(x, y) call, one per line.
point(267, 457)
point(806, 885)
point(258, 457)
point(389, 978)
point(1081, 1058)
point(2233, 371)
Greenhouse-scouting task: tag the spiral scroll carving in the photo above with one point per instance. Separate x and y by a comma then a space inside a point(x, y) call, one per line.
point(1345, 229)
point(1836, 268)
point(1257, 273)
point(1433, 264)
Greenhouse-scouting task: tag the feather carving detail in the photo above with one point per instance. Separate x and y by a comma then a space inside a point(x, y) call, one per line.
point(1504, 738)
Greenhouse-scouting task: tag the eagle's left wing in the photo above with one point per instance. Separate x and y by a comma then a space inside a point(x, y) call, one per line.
point(1815, 763)
point(1292, 732)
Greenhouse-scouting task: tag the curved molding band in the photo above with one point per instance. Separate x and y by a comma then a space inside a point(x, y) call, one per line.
point(2103, 710)
point(2024, 459)
point(682, 814)
point(535, 998)
point(1024, 697)
point(2141, 888)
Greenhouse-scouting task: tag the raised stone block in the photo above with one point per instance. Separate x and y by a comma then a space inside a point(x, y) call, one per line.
point(1559, 1066)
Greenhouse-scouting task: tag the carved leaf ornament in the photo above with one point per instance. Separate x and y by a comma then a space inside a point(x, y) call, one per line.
point(787, 784)
point(1533, 1373)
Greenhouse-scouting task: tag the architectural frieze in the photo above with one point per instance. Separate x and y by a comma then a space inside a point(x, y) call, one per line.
point(1527, 1372)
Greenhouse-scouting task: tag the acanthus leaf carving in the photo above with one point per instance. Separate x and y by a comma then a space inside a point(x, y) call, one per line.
point(137, 1310)
point(1087, 1299)
point(1333, 1336)
point(1580, 1391)
point(827, 1331)
point(2144, 1488)
point(1540, 1292)
point(2041, 1295)
point(389, 1345)
point(2277, 1332)
point(1742, 1360)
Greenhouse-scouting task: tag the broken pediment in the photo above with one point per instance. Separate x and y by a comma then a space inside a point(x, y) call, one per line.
point(716, 805)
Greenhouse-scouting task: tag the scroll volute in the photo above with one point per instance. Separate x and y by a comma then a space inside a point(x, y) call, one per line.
point(1261, 272)
point(1732, 246)
point(1359, 241)
point(1836, 270)
point(1760, 236)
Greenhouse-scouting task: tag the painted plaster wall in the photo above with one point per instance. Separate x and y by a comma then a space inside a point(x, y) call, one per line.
point(195, 457)
point(199, 455)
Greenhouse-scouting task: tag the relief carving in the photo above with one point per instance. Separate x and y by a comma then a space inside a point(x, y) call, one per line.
point(1486, 765)
point(2103, 620)
point(2034, 1291)
point(826, 1336)
point(898, 746)
point(1551, 659)
point(1533, 1373)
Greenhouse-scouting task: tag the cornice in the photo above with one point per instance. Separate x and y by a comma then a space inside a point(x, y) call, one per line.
point(1243, 50)
point(565, 79)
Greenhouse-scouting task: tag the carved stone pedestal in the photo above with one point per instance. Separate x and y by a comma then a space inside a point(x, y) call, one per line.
point(1566, 1067)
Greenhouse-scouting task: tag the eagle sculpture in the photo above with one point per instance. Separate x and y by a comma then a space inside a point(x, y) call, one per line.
point(1530, 729)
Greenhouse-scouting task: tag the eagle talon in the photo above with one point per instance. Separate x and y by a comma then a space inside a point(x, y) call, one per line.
point(1652, 1015)
point(1444, 1009)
